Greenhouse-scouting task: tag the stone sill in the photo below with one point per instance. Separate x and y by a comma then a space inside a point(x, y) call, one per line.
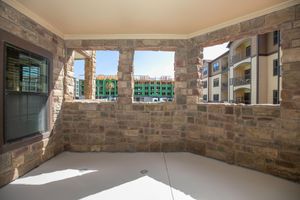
point(89, 101)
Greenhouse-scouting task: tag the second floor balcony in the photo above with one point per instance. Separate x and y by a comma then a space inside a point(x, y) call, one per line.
point(242, 51)
point(239, 57)
point(238, 81)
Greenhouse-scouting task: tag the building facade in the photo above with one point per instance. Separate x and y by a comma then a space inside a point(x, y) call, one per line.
point(146, 89)
point(78, 88)
point(249, 72)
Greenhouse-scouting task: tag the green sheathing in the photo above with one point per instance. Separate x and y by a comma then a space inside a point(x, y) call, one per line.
point(153, 89)
point(102, 90)
point(158, 89)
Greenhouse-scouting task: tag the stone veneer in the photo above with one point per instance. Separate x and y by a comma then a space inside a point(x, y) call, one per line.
point(261, 137)
point(16, 161)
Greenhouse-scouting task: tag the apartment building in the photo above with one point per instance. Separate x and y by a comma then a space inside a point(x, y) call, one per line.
point(249, 72)
point(78, 88)
point(215, 79)
point(146, 89)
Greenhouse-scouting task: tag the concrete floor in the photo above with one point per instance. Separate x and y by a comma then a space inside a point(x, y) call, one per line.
point(149, 176)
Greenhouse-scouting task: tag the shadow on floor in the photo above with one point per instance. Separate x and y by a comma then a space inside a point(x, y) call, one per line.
point(146, 176)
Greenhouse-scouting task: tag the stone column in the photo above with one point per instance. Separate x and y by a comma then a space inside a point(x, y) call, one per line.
point(290, 94)
point(90, 76)
point(69, 76)
point(125, 76)
point(188, 87)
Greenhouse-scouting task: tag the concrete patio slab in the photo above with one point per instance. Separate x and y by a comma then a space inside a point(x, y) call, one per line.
point(180, 176)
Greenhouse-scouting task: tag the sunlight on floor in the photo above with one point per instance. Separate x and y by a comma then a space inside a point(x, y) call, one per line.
point(147, 176)
point(145, 188)
point(51, 177)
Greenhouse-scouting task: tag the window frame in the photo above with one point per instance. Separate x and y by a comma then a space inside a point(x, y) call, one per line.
point(275, 97)
point(275, 37)
point(214, 97)
point(214, 80)
point(275, 67)
point(248, 51)
point(9, 38)
point(205, 84)
point(216, 63)
point(205, 71)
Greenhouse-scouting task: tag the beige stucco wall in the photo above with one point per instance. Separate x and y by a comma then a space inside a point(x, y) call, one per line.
point(253, 80)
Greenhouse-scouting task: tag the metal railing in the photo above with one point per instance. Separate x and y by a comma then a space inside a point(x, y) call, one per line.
point(241, 100)
point(239, 57)
point(241, 81)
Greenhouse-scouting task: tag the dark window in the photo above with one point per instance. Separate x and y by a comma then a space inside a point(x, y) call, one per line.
point(216, 97)
point(205, 97)
point(204, 84)
point(247, 74)
point(216, 67)
point(205, 71)
point(248, 51)
point(216, 82)
point(275, 97)
point(275, 37)
point(275, 67)
point(26, 93)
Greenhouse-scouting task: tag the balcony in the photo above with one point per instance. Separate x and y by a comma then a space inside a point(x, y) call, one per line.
point(239, 57)
point(240, 81)
point(88, 149)
point(242, 100)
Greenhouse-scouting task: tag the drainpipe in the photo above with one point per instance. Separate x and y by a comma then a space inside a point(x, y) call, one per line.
point(257, 69)
point(278, 67)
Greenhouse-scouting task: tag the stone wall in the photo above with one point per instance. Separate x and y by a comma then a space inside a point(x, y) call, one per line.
point(260, 137)
point(16, 160)
point(93, 126)
point(250, 136)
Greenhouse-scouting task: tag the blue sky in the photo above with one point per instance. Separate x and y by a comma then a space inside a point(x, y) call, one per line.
point(152, 63)
point(106, 63)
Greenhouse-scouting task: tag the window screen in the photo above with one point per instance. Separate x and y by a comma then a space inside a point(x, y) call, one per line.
point(26, 93)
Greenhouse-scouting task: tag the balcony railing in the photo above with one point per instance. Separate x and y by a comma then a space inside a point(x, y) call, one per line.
point(240, 81)
point(239, 57)
point(241, 100)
